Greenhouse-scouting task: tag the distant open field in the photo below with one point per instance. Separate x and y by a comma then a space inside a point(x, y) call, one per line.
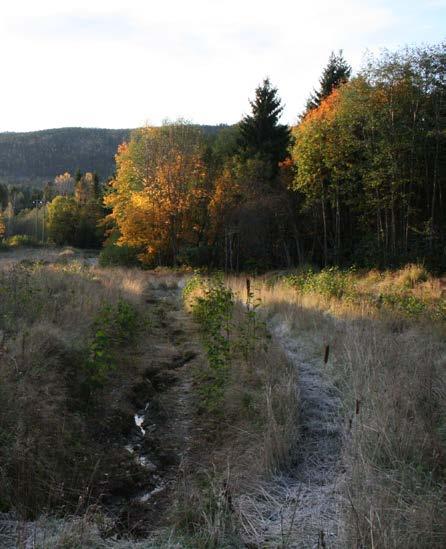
point(46, 254)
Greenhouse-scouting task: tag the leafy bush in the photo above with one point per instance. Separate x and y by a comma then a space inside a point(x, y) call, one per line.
point(330, 282)
point(113, 326)
point(409, 305)
point(231, 336)
point(213, 309)
point(19, 240)
point(113, 255)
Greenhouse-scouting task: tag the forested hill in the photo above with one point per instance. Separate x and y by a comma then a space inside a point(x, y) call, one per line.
point(47, 153)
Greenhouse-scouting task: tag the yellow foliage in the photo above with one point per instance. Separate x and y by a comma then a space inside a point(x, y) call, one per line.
point(160, 179)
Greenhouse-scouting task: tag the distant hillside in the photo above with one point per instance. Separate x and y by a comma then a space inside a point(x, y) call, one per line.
point(48, 153)
point(44, 154)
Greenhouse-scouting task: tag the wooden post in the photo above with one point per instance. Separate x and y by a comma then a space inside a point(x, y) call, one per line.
point(327, 353)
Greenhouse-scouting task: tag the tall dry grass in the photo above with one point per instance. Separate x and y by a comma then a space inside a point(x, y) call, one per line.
point(391, 374)
point(49, 452)
point(249, 437)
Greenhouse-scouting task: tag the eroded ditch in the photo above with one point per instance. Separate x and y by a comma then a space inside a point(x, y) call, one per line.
point(158, 439)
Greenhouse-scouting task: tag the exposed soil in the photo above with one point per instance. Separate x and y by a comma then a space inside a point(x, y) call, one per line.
point(158, 440)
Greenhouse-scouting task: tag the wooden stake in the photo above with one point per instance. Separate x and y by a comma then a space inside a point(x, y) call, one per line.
point(327, 353)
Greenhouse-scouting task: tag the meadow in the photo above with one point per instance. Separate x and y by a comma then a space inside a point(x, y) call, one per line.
point(379, 338)
point(120, 417)
point(171, 409)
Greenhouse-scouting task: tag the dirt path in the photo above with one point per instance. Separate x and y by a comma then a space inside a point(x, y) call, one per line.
point(297, 509)
point(159, 440)
point(150, 456)
point(317, 477)
point(301, 508)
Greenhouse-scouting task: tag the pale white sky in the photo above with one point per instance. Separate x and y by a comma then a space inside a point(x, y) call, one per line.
point(115, 63)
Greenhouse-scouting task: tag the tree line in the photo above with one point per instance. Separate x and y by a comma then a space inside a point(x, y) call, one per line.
point(69, 210)
point(30, 156)
point(360, 179)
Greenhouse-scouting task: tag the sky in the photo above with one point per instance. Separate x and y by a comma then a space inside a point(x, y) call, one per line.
point(123, 64)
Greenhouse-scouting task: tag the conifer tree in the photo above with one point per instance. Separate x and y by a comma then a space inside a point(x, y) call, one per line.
point(96, 186)
point(2, 225)
point(336, 72)
point(261, 135)
point(4, 195)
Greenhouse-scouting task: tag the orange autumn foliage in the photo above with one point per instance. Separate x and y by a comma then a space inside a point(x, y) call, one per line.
point(160, 179)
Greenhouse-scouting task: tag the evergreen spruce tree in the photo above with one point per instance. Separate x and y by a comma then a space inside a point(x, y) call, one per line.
point(4, 196)
point(261, 135)
point(97, 192)
point(336, 72)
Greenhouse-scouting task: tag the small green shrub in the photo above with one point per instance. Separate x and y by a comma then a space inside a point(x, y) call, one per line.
point(331, 282)
point(251, 330)
point(113, 255)
point(114, 325)
point(194, 283)
point(20, 240)
point(225, 336)
point(439, 310)
point(100, 360)
point(408, 304)
point(213, 311)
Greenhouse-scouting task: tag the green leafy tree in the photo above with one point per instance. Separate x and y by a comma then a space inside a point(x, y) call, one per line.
point(63, 219)
point(370, 173)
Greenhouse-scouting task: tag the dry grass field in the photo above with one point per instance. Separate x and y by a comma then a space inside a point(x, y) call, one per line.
point(386, 361)
point(303, 409)
point(115, 425)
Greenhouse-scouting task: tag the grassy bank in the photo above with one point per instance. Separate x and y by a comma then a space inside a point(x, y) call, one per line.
point(388, 362)
point(247, 407)
point(410, 292)
point(83, 348)
point(65, 331)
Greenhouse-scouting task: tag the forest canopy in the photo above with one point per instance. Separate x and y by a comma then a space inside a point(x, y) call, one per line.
point(359, 180)
point(370, 162)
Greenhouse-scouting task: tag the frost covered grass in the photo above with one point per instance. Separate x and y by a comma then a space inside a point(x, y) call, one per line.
point(388, 367)
point(248, 408)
